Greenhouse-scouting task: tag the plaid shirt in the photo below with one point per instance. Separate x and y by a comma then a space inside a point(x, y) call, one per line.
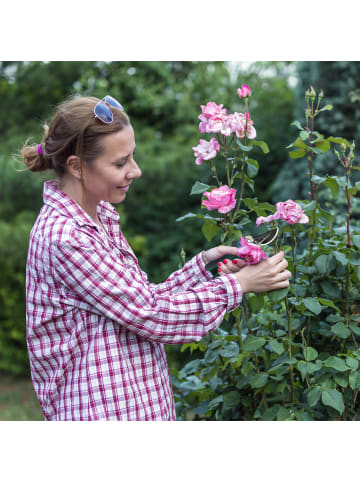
point(96, 326)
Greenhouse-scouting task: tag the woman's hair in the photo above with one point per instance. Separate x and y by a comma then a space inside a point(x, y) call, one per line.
point(73, 130)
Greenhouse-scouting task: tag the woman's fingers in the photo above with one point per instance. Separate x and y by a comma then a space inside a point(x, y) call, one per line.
point(230, 266)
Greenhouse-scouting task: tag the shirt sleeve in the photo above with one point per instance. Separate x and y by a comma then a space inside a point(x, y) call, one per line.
point(96, 279)
point(192, 273)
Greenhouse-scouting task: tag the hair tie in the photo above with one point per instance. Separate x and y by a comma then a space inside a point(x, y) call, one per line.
point(39, 149)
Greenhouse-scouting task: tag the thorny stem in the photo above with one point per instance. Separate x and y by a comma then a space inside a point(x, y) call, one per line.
point(293, 249)
point(312, 238)
point(289, 349)
point(213, 169)
point(348, 210)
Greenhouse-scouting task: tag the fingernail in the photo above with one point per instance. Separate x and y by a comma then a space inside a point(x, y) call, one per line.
point(219, 263)
point(235, 261)
point(219, 270)
point(225, 261)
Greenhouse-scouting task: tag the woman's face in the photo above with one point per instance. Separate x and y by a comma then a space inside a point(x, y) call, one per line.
point(109, 177)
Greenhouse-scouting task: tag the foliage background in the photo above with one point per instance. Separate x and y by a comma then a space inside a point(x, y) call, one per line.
point(162, 99)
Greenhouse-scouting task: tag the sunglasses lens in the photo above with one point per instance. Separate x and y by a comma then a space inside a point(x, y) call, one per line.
point(103, 113)
point(110, 100)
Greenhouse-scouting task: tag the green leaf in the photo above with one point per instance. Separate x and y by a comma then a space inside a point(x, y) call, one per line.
point(285, 414)
point(325, 215)
point(339, 140)
point(313, 396)
point(322, 263)
point(310, 353)
point(252, 167)
point(326, 107)
point(333, 185)
point(313, 305)
point(231, 399)
point(253, 343)
point(300, 144)
point(356, 240)
point(243, 147)
point(199, 188)
point(297, 124)
point(341, 330)
point(354, 380)
point(329, 303)
point(256, 301)
point(190, 216)
point(333, 398)
point(249, 182)
point(323, 145)
point(310, 206)
point(230, 350)
point(340, 257)
point(304, 135)
point(297, 154)
point(263, 146)
point(277, 295)
point(215, 402)
point(342, 380)
point(353, 363)
point(355, 328)
point(315, 150)
point(336, 363)
point(276, 346)
point(307, 368)
point(259, 380)
point(318, 179)
point(330, 289)
point(210, 229)
point(270, 413)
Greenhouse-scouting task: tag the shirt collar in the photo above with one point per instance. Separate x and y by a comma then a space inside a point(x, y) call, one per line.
point(61, 202)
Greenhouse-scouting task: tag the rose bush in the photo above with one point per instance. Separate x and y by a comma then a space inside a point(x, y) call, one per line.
point(291, 354)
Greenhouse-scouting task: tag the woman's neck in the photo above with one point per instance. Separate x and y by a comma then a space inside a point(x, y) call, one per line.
point(75, 191)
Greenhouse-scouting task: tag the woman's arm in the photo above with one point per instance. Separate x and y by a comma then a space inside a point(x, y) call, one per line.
point(94, 279)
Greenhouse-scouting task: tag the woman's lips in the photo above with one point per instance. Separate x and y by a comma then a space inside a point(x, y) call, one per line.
point(124, 188)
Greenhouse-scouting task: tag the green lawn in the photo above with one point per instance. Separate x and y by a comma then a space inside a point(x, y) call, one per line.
point(18, 400)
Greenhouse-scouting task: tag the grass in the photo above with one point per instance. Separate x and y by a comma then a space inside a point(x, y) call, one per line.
point(18, 401)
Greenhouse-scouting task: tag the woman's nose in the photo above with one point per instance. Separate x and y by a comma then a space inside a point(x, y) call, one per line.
point(135, 171)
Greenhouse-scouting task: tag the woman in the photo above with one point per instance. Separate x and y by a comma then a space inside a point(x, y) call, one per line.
point(95, 325)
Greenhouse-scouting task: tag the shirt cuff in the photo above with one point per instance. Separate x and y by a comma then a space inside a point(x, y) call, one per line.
point(199, 266)
point(233, 290)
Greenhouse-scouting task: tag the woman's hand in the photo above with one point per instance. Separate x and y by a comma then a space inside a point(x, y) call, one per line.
point(270, 274)
point(214, 254)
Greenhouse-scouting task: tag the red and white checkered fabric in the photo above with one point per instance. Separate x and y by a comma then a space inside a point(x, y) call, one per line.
point(96, 326)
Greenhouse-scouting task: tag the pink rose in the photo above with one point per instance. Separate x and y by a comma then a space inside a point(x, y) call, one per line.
point(211, 109)
point(251, 253)
point(238, 122)
point(245, 91)
point(262, 219)
point(206, 150)
point(289, 211)
point(212, 117)
point(222, 199)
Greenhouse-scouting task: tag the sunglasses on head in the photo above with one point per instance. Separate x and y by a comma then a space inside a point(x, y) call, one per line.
point(102, 111)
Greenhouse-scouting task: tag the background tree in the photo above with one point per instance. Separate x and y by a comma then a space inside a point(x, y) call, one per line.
point(340, 84)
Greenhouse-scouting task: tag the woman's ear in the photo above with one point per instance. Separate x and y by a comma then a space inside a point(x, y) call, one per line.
point(73, 165)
